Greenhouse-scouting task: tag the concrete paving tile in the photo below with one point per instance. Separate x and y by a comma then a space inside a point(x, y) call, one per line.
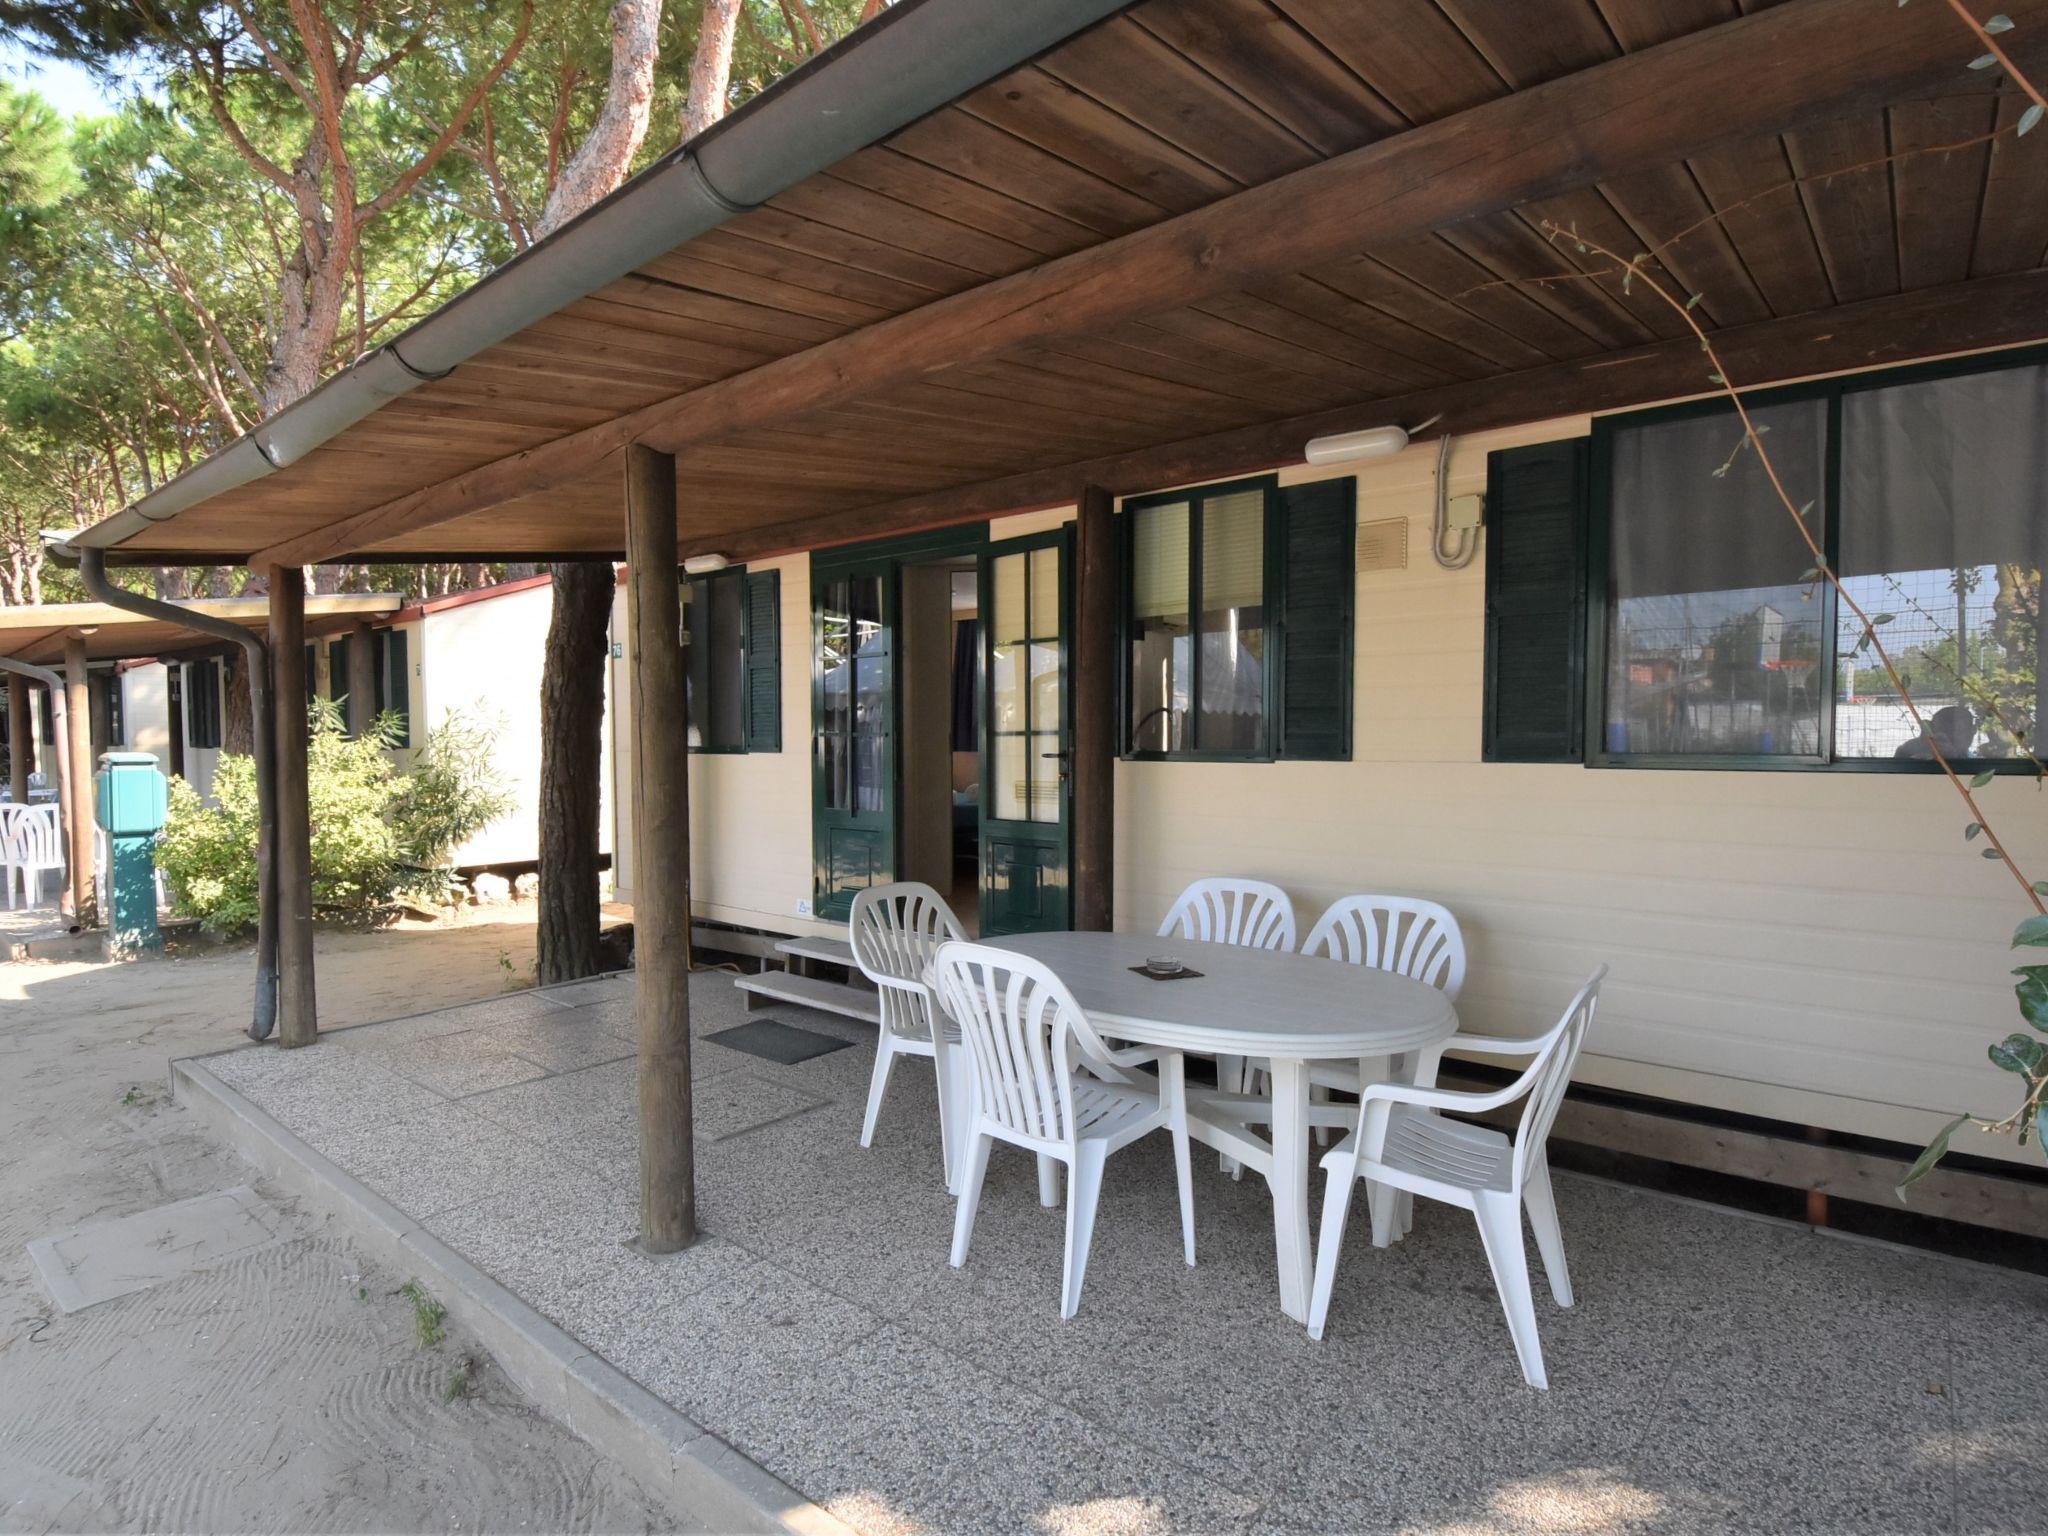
point(895, 1435)
point(458, 1065)
point(590, 1114)
point(319, 1092)
point(738, 1101)
point(453, 1156)
point(760, 1334)
point(565, 1040)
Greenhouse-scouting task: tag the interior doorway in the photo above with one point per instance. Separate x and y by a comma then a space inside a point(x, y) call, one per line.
point(939, 817)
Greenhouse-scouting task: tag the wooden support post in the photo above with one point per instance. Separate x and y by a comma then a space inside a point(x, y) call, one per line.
point(361, 682)
point(1094, 704)
point(77, 747)
point(297, 1009)
point(661, 855)
point(21, 737)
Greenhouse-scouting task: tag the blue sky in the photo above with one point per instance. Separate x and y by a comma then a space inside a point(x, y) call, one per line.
point(70, 89)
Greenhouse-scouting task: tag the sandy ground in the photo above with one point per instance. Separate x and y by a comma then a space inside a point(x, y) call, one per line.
point(285, 1390)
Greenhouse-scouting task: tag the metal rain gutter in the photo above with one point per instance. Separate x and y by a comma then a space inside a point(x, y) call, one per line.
point(92, 570)
point(910, 60)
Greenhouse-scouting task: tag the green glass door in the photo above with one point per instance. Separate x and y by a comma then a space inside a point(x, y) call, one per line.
point(1024, 781)
point(853, 709)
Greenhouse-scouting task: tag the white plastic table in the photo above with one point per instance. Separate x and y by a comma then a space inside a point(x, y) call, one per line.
point(1289, 1009)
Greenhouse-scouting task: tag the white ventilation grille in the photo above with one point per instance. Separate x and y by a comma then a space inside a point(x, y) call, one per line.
point(1383, 546)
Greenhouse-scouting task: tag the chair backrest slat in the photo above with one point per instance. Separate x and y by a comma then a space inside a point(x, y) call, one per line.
point(1403, 934)
point(1254, 914)
point(1544, 1082)
point(1023, 1032)
point(32, 835)
point(896, 930)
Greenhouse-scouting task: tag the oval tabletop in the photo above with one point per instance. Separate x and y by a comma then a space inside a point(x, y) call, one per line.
point(1246, 1002)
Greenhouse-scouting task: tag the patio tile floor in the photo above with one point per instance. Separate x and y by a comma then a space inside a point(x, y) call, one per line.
point(1719, 1373)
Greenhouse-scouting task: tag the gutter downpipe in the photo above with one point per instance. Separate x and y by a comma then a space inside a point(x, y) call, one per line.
point(66, 809)
point(911, 60)
point(92, 568)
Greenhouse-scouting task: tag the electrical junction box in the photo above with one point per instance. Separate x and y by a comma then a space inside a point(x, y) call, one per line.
point(1465, 512)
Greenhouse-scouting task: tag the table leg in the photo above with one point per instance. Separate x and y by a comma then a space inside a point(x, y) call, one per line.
point(1289, 1183)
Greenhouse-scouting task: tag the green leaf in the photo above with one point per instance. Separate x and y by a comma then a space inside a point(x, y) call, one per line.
point(2033, 931)
point(1936, 1150)
point(2041, 887)
point(1717, 378)
point(2031, 992)
point(1974, 829)
point(1993, 853)
point(1884, 618)
point(1695, 299)
point(2018, 1053)
point(1811, 573)
point(1999, 23)
point(2041, 1125)
point(1984, 61)
point(1982, 779)
point(2030, 117)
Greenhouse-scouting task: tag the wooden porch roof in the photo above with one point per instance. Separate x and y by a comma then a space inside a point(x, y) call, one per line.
point(1206, 228)
point(36, 633)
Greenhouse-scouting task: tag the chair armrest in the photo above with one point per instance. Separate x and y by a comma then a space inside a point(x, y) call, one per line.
point(1492, 1045)
point(1439, 1098)
point(901, 984)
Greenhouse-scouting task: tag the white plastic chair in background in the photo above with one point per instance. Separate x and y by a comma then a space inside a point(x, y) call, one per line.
point(31, 846)
point(896, 931)
point(1403, 1142)
point(1223, 909)
point(1030, 1048)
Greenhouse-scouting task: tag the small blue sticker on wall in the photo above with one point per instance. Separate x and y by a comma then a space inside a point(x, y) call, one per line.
point(618, 650)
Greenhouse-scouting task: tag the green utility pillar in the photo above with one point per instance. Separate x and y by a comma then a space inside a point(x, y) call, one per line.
point(131, 801)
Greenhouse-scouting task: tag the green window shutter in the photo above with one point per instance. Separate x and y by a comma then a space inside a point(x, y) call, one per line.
point(1317, 527)
point(764, 661)
point(398, 683)
point(1536, 509)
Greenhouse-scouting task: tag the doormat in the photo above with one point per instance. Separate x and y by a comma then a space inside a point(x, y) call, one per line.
point(783, 1044)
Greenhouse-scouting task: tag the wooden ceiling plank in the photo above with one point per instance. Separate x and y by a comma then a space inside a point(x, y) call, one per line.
point(1964, 317)
point(891, 174)
point(1366, 282)
point(892, 222)
point(686, 267)
point(1410, 53)
point(1674, 219)
point(1131, 71)
point(1439, 266)
point(1850, 210)
point(1272, 62)
point(2012, 229)
point(1751, 186)
point(962, 144)
point(1939, 192)
point(1317, 318)
point(718, 313)
point(1512, 252)
point(1045, 111)
point(1238, 325)
point(804, 256)
point(1588, 212)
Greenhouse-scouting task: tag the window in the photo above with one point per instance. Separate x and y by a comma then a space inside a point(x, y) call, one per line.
point(733, 661)
point(394, 682)
point(1237, 622)
point(116, 726)
point(1926, 489)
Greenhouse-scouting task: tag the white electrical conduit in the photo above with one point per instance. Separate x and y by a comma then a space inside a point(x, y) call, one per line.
point(1460, 554)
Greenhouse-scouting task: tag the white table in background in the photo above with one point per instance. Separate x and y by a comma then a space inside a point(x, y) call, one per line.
point(1286, 1008)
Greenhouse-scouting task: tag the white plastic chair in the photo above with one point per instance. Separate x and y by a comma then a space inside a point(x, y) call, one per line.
point(896, 931)
point(1030, 1048)
point(1403, 1142)
point(34, 846)
point(1403, 934)
point(1223, 909)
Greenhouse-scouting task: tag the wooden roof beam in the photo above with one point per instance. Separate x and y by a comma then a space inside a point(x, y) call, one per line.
point(1962, 317)
point(1793, 65)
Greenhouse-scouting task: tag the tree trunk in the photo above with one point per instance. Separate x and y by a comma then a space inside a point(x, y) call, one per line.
point(571, 749)
point(237, 732)
point(711, 67)
point(572, 678)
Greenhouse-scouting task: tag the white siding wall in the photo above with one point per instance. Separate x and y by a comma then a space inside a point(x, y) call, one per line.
point(1818, 947)
point(146, 712)
point(485, 659)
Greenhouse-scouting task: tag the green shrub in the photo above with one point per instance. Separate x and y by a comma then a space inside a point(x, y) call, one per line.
point(375, 830)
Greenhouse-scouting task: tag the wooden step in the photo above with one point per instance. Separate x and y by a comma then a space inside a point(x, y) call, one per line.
point(805, 947)
point(772, 987)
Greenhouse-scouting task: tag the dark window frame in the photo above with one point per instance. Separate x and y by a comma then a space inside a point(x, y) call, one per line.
point(750, 741)
point(204, 723)
point(1269, 603)
point(1599, 569)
